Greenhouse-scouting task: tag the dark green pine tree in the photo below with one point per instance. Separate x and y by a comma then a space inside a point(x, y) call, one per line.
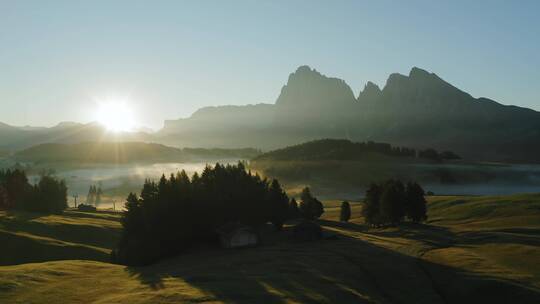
point(392, 206)
point(415, 207)
point(91, 197)
point(317, 208)
point(310, 207)
point(278, 203)
point(345, 213)
point(294, 212)
point(370, 210)
point(99, 192)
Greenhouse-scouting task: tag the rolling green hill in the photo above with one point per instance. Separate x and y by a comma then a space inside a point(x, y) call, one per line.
point(337, 149)
point(472, 250)
point(336, 166)
point(72, 235)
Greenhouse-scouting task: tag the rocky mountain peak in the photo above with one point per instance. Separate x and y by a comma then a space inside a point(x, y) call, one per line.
point(370, 93)
point(307, 86)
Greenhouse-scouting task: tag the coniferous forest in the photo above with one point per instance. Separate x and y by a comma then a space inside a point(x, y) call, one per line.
point(49, 195)
point(392, 201)
point(174, 213)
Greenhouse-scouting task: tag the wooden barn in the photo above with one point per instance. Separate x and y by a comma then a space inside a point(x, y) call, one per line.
point(237, 235)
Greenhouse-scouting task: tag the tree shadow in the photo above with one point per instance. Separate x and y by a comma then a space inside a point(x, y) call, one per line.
point(434, 236)
point(343, 225)
point(499, 237)
point(21, 216)
point(348, 270)
point(110, 216)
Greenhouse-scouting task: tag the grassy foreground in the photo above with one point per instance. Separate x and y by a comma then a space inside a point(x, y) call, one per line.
point(473, 249)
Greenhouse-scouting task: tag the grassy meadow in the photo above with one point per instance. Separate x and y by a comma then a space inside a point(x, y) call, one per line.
point(472, 249)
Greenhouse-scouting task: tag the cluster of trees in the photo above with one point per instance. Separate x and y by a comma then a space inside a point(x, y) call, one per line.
point(94, 195)
point(309, 208)
point(390, 202)
point(342, 149)
point(49, 195)
point(172, 214)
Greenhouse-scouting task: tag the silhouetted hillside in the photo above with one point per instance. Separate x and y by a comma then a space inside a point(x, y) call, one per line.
point(65, 132)
point(336, 149)
point(345, 150)
point(125, 152)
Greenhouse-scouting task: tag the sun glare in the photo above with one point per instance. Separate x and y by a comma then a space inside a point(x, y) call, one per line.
point(115, 115)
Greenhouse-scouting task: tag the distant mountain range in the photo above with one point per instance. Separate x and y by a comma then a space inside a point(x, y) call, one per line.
point(418, 110)
point(16, 138)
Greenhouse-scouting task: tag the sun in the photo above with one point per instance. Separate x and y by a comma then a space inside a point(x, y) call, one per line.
point(115, 115)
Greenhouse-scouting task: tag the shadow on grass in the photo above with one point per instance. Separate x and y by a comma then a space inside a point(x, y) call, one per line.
point(434, 236)
point(101, 215)
point(24, 249)
point(348, 270)
point(521, 237)
point(344, 225)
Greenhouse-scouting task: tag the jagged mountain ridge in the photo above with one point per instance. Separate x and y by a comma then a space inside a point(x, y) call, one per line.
point(419, 109)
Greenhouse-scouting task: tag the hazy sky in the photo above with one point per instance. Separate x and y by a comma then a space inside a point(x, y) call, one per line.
point(171, 57)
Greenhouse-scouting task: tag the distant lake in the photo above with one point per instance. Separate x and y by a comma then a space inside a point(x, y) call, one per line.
point(499, 179)
point(118, 180)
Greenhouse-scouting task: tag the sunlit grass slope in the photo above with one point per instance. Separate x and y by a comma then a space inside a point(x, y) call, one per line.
point(28, 237)
point(472, 250)
point(493, 235)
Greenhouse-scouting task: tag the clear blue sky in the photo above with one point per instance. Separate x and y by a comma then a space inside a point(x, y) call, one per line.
point(172, 57)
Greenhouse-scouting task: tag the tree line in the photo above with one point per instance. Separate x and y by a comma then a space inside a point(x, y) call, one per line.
point(49, 195)
point(177, 211)
point(342, 149)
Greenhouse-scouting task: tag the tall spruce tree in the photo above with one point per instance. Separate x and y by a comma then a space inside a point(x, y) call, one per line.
point(371, 208)
point(294, 212)
point(91, 196)
point(415, 207)
point(279, 204)
point(392, 206)
point(99, 192)
point(310, 207)
point(345, 212)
